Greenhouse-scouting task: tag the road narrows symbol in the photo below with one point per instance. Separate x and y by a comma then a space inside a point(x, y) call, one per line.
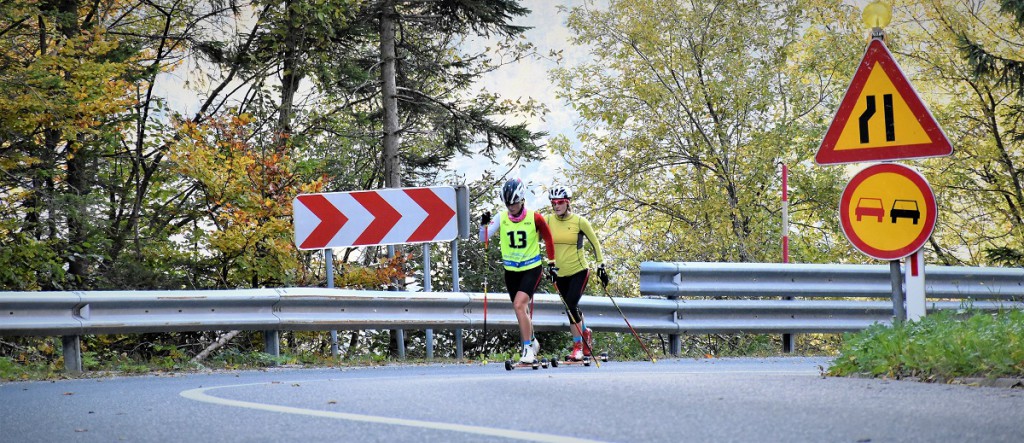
point(902, 128)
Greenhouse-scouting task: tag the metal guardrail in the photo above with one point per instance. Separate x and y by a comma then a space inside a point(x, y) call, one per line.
point(316, 309)
point(73, 314)
point(699, 279)
point(978, 288)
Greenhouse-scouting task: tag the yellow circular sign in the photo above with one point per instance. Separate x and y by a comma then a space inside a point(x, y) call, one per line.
point(888, 211)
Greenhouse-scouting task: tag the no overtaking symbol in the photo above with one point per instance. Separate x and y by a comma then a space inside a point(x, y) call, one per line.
point(380, 217)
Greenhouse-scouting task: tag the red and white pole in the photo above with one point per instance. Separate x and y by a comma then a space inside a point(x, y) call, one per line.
point(785, 213)
point(788, 341)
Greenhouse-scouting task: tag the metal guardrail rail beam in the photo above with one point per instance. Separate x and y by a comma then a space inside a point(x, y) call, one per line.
point(828, 299)
point(750, 280)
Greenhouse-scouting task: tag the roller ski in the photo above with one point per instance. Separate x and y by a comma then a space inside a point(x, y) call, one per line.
point(579, 355)
point(535, 364)
point(528, 359)
point(585, 361)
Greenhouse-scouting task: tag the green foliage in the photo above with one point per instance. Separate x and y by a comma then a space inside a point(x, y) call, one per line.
point(940, 347)
point(978, 188)
point(234, 359)
point(13, 370)
point(688, 109)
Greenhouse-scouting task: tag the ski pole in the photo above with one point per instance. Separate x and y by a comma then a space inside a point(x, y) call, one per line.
point(579, 328)
point(533, 333)
point(487, 239)
point(649, 355)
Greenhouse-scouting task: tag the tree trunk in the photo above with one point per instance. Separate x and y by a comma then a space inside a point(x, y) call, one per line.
point(290, 77)
point(389, 93)
point(389, 84)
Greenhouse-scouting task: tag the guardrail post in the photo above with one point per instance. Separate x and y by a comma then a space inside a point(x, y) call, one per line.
point(272, 343)
point(72, 347)
point(401, 343)
point(675, 344)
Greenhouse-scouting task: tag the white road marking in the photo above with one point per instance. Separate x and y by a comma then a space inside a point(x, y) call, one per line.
point(200, 394)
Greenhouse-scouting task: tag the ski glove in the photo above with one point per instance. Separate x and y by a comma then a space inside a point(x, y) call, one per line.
point(602, 274)
point(552, 272)
point(485, 219)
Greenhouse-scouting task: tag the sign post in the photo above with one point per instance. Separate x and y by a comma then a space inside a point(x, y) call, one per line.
point(887, 211)
point(379, 217)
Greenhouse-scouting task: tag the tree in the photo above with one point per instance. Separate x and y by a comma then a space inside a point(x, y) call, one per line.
point(65, 81)
point(1003, 62)
point(443, 19)
point(247, 197)
point(1006, 70)
point(688, 109)
point(964, 56)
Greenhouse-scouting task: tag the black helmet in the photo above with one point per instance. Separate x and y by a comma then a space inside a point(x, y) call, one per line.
point(559, 192)
point(513, 192)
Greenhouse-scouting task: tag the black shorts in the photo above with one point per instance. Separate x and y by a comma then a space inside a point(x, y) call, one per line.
point(522, 281)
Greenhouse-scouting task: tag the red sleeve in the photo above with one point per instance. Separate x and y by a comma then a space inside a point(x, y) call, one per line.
point(545, 233)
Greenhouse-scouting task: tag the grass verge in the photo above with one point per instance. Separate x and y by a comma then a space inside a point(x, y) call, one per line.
point(940, 347)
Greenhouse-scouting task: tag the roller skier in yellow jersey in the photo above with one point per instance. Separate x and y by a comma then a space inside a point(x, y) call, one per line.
point(519, 232)
point(572, 271)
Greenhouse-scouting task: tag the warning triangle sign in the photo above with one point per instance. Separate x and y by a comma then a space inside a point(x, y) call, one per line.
point(881, 117)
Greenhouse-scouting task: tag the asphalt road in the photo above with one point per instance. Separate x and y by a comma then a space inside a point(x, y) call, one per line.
point(714, 400)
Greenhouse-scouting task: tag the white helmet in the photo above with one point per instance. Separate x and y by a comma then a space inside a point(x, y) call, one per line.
point(558, 192)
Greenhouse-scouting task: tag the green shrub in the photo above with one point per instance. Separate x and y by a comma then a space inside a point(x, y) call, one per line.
point(941, 346)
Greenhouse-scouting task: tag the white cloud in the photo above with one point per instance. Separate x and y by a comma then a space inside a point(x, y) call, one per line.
point(530, 79)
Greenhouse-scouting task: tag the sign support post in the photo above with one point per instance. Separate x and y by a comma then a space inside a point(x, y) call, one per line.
point(899, 313)
point(329, 259)
point(426, 288)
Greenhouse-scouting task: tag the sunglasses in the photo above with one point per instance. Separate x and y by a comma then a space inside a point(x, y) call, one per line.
point(559, 201)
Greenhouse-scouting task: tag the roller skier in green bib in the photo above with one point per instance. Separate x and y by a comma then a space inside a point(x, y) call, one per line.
point(519, 233)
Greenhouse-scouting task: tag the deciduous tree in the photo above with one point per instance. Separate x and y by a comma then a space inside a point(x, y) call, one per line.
point(688, 109)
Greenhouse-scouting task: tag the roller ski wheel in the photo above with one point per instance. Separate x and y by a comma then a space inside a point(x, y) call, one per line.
point(569, 362)
point(603, 357)
point(510, 365)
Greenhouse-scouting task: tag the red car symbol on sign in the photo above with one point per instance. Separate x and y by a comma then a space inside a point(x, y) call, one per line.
point(871, 207)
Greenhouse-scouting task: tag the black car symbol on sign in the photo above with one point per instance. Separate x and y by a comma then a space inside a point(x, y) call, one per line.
point(904, 209)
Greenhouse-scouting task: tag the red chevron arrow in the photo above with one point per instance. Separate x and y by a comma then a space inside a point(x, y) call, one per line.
point(384, 217)
point(331, 220)
point(438, 214)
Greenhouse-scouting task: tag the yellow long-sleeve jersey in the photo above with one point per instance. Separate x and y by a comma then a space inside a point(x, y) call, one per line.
point(568, 234)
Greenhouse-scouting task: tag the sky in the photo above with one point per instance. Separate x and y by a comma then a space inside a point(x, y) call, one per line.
point(530, 79)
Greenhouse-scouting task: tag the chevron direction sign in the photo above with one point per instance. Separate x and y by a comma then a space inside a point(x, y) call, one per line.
point(378, 217)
